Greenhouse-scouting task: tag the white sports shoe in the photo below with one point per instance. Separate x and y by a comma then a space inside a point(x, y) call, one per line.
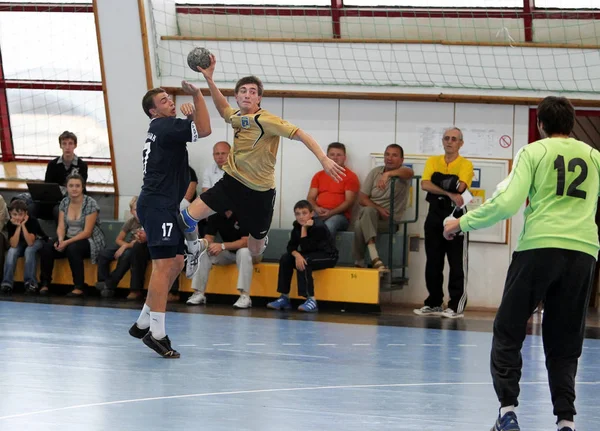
point(426, 310)
point(451, 314)
point(195, 249)
point(243, 301)
point(197, 298)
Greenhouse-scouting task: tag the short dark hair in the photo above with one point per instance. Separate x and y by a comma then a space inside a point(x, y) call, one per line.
point(397, 147)
point(337, 145)
point(75, 177)
point(249, 80)
point(303, 204)
point(148, 100)
point(557, 115)
point(18, 205)
point(67, 135)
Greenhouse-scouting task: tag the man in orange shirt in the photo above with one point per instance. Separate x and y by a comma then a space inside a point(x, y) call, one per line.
point(333, 201)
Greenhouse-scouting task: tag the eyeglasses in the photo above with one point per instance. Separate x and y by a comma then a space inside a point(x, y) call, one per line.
point(451, 138)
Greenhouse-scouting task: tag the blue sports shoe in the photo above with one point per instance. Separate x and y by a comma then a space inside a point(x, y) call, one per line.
point(309, 306)
point(283, 303)
point(508, 422)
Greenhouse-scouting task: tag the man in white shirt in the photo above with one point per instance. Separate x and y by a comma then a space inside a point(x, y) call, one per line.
point(215, 172)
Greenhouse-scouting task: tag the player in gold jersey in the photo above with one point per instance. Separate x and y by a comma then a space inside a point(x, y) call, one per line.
point(248, 186)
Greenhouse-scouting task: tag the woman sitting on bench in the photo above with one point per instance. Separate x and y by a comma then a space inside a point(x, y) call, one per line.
point(78, 236)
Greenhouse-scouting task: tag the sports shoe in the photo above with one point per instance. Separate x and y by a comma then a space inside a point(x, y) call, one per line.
point(451, 314)
point(243, 301)
point(426, 310)
point(508, 422)
point(137, 332)
point(566, 429)
point(195, 249)
point(6, 288)
point(283, 303)
point(162, 347)
point(134, 295)
point(197, 298)
point(31, 288)
point(309, 306)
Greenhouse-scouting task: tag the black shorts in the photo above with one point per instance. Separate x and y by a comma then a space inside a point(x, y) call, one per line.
point(165, 239)
point(254, 209)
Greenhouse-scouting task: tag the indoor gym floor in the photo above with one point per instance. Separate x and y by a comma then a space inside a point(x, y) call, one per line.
point(69, 366)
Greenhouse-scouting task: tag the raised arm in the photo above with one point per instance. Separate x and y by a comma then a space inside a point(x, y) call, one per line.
point(200, 112)
point(219, 100)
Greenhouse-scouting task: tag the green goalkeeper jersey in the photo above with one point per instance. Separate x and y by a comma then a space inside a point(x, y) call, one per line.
point(561, 178)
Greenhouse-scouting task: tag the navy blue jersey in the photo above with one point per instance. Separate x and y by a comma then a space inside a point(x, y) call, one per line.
point(165, 162)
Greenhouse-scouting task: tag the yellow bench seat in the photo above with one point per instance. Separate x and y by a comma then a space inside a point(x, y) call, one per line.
point(340, 284)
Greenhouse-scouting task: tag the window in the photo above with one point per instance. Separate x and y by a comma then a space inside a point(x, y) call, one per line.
point(37, 117)
point(568, 4)
point(438, 3)
point(51, 68)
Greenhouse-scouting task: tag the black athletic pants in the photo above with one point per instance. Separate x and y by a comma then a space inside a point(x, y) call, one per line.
point(315, 261)
point(436, 250)
point(562, 279)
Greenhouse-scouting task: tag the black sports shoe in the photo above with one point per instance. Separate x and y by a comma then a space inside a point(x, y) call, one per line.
point(137, 332)
point(162, 347)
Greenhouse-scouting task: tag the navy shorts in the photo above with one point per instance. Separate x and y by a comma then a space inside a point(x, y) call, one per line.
point(165, 239)
point(254, 209)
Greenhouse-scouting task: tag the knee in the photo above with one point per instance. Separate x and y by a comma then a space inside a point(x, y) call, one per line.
point(286, 259)
point(12, 253)
point(30, 252)
point(243, 255)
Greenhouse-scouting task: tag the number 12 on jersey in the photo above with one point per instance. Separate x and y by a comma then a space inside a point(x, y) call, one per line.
point(572, 191)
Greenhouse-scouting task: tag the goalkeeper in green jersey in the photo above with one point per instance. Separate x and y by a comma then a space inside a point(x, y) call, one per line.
point(554, 260)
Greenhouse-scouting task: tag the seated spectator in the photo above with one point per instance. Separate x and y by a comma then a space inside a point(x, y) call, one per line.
point(26, 237)
point(122, 251)
point(331, 200)
point(374, 199)
point(58, 170)
point(311, 248)
point(78, 236)
point(4, 217)
point(233, 249)
point(215, 171)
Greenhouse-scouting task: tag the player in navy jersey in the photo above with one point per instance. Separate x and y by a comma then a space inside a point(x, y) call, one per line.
point(166, 179)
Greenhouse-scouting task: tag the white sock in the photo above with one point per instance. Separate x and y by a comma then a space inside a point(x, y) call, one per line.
point(144, 320)
point(504, 410)
point(157, 325)
point(564, 423)
point(373, 251)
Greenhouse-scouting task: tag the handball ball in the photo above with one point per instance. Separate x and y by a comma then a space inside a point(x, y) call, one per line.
point(198, 57)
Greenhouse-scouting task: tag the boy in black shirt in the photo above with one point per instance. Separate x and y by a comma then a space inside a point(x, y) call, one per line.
point(26, 237)
point(310, 248)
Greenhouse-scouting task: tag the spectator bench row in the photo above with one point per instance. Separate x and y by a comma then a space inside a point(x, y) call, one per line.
point(344, 283)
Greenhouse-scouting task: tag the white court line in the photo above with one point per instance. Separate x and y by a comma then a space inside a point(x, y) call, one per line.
point(187, 345)
point(431, 345)
point(361, 344)
point(222, 344)
point(274, 354)
point(262, 391)
point(325, 344)
point(467, 345)
point(255, 344)
point(291, 344)
point(396, 345)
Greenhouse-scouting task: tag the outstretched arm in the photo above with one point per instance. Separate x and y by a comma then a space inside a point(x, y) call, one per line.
point(332, 169)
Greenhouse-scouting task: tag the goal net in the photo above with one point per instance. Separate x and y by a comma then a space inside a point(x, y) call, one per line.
point(397, 46)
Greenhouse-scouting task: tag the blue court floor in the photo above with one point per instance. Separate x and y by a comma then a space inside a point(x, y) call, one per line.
point(76, 368)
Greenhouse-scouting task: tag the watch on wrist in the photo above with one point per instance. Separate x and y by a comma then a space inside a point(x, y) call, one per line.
point(222, 246)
